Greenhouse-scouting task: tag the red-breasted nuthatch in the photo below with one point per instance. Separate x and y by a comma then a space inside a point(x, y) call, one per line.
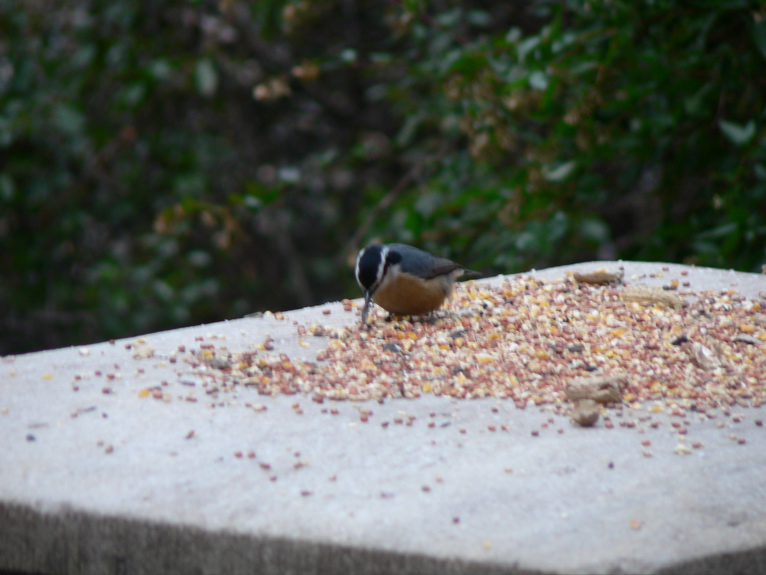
point(404, 280)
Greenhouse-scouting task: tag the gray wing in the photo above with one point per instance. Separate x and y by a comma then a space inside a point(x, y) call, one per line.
point(418, 260)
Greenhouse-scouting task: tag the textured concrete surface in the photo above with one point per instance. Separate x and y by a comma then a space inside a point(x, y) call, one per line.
point(95, 482)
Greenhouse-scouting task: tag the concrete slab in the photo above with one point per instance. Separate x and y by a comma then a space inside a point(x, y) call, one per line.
point(105, 479)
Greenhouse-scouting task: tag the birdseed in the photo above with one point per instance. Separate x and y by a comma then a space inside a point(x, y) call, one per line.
point(528, 340)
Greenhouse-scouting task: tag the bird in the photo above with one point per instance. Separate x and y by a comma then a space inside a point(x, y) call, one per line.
point(405, 280)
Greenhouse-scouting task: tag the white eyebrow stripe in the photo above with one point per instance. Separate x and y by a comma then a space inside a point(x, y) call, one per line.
point(359, 259)
point(381, 268)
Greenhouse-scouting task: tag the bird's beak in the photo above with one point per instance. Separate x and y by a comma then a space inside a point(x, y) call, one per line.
point(366, 308)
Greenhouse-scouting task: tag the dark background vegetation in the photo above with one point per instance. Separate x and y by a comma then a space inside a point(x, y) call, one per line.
point(176, 162)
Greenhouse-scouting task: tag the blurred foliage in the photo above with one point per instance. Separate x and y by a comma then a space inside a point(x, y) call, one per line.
point(171, 163)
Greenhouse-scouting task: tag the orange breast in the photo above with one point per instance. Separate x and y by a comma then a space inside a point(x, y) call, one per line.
point(406, 295)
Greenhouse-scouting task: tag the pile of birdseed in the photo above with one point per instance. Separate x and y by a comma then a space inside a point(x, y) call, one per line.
point(527, 340)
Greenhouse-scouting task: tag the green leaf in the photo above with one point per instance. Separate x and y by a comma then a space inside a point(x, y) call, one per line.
point(349, 56)
point(7, 188)
point(526, 46)
point(594, 230)
point(538, 80)
point(737, 135)
point(206, 78)
point(68, 119)
point(561, 172)
point(160, 69)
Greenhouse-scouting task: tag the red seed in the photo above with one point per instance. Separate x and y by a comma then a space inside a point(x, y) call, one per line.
point(238, 454)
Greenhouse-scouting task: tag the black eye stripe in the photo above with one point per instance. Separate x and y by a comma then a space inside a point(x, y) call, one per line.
point(370, 267)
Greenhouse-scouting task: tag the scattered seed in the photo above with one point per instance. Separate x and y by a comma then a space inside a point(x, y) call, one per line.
point(622, 332)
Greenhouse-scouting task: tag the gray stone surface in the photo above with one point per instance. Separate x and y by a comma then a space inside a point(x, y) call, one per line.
point(115, 483)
